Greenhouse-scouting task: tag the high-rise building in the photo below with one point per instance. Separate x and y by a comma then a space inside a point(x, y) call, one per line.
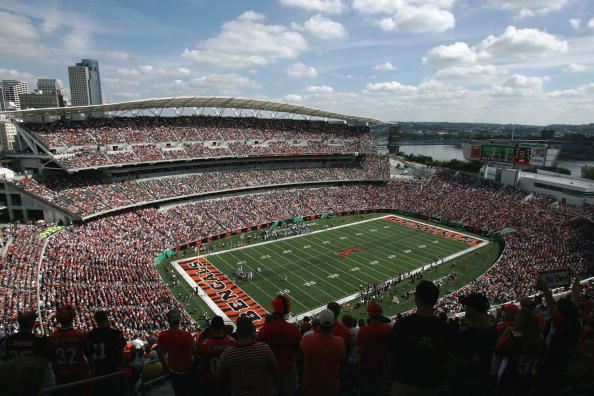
point(85, 83)
point(11, 89)
point(51, 86)
point(7, 134)
point(40, 100)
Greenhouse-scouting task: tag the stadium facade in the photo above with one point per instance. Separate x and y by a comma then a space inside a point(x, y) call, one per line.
point(63, 161)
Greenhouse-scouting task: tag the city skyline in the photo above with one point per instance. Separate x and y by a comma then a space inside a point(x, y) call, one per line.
point(502, 61)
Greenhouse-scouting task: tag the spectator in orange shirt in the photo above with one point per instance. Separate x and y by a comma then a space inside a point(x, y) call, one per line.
point(283, 338)
point(178, 345)
point(323, 354)
point(372, 344)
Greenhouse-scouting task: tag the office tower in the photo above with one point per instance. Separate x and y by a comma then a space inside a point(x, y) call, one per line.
point(85, 83)
point(51, 86)
point(11, 89)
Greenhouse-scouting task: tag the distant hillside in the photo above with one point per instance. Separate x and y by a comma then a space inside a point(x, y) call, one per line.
point(432, 130)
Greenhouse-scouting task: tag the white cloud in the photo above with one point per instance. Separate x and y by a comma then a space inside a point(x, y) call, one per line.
point(300, 70)
point(475, 73)
point(591, 23)
point(17, 27)
point(541, 6)
point(586, 90)
point(410, 16)
point(455, 54)
point(327, 6)
point(390, 87)
point(293, 98)
point(19, 36)
point(323, 89)
point(525, 13)
point(248, 41)
point(147, 72)
point(575, 68)
point(117, 55)
point(519, 85)
point(211, 84)
point(9, 74)
point(575, 23)
point(322, 27)
point(384, 66)
point(521, 43)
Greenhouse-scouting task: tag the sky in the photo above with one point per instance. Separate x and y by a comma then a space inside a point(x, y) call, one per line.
point(502, 61)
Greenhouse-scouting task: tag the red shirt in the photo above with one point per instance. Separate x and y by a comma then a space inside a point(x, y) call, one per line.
point(373, 340)
point(210, 353)
point(65, 349)
point(283, 338)
point(322, 356)
point(178, 345)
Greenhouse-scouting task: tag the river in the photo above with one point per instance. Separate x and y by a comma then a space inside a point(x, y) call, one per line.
point(448, 152)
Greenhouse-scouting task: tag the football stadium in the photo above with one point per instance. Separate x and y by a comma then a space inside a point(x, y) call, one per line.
point(215, 207)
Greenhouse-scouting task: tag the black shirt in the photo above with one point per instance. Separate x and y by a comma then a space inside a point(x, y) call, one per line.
point(420, 347)
point(21, 345)
point(108, 349)
point(477, 346)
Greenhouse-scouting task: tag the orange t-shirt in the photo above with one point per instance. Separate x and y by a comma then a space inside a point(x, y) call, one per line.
point(178, 345)
point(322, 356)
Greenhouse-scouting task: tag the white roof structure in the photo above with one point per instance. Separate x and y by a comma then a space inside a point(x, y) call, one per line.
point(154, 105)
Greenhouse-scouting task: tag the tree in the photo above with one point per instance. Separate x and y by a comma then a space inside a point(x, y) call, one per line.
point(588, 172)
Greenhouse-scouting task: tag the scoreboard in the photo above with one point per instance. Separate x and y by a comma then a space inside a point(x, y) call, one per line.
point(513, 154)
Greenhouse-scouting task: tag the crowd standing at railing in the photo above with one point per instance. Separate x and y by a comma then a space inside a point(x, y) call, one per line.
point(540, 346)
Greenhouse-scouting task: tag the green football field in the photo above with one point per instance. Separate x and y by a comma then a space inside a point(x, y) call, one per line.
point(331, 265)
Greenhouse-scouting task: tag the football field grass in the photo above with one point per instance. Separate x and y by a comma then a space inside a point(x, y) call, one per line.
point(331, 265)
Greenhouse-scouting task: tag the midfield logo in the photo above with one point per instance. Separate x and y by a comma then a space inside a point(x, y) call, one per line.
point(346, 252)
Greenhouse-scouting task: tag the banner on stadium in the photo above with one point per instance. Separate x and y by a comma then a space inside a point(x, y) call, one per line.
point(49, 231)
point(556, 279)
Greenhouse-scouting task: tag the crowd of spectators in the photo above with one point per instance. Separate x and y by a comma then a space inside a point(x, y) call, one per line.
point(125, 140)
point(91, 193)
point(109, 263)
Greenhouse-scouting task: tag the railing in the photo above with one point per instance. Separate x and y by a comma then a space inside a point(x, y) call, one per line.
point(116, 379)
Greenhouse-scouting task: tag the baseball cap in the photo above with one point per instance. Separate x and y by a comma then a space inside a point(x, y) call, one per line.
point(476, 301)
point(326, 318)
point(512, 308)
point(374, 309)
point(174, 316)
point(65, 314)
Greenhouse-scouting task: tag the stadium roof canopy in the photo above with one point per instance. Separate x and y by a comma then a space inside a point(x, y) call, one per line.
point(153, 105)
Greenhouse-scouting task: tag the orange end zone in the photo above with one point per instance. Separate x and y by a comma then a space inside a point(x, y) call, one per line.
point(222, 291)
point(435, 230)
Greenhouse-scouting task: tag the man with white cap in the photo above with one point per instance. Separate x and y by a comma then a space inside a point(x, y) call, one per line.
point(323, 354)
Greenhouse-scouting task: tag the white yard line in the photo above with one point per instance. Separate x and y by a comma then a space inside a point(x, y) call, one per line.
point(335, 228)
point(404, 276)
point(343, 300)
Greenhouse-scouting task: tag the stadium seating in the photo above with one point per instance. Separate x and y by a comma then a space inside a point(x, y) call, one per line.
point(109, 263)
point(92, 193)
point(129, 140)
